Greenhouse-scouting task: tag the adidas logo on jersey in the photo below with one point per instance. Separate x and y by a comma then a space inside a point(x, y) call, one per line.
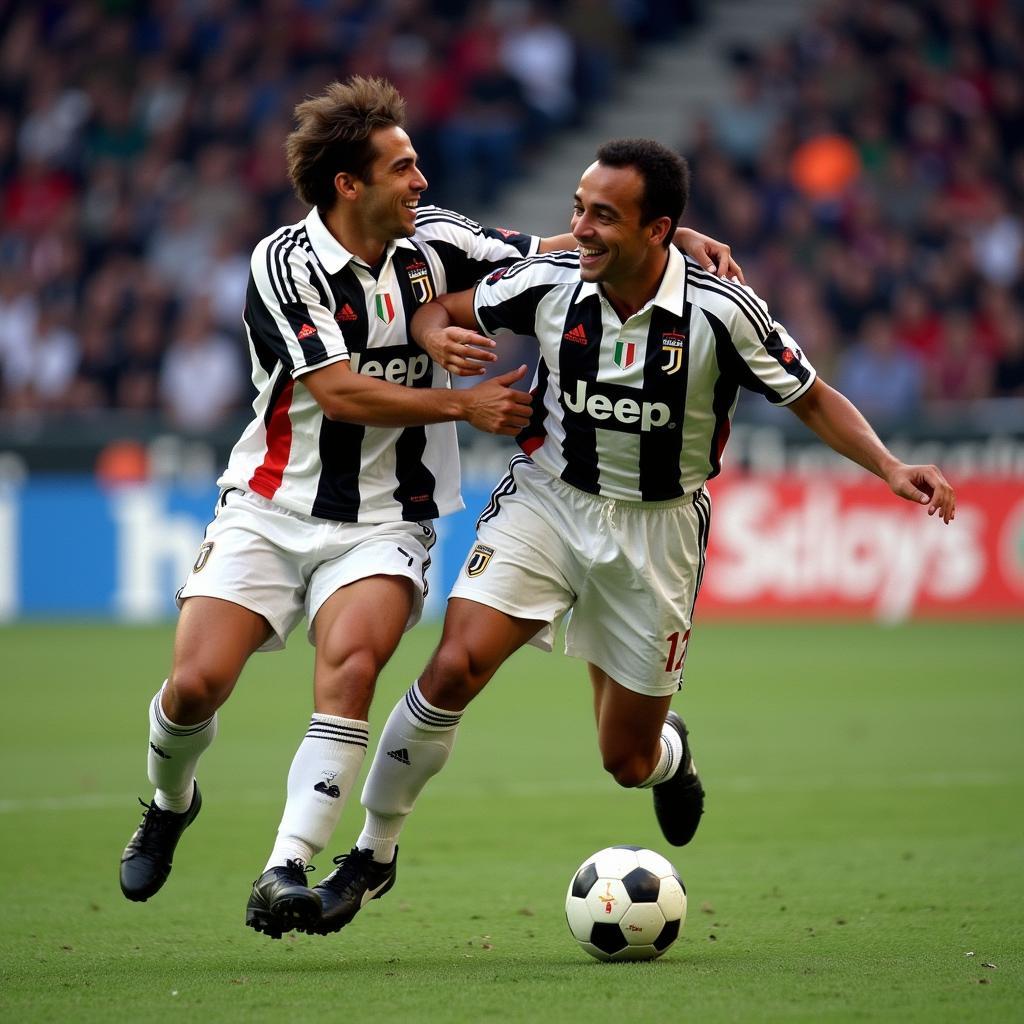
point(306, 331)
point(576, 335)
point(617, 414)
point(401, 755)
point(345, 314)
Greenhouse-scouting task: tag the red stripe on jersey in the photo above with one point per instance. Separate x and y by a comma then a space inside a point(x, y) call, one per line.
point(531, 444)
point(270, 472)
point(723, 437)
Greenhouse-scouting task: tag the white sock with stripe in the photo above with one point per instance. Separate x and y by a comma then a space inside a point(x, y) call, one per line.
point(174, 752)
point(670, 759)
point(320, 779)
point(414, 746)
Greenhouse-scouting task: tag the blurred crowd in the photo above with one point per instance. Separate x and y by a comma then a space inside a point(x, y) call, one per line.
point(869, 173)
point(141, 159)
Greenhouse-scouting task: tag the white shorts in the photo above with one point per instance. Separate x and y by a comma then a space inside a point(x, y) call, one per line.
point(283, 565)
point(628, 571)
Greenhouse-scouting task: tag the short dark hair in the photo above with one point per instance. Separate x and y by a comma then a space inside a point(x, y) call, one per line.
point(333, 135)
point(665, 174)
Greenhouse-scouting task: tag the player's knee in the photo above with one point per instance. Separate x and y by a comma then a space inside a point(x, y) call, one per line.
point(450, 680)
point(359, 669)
point(194, 694)
point(628, 769)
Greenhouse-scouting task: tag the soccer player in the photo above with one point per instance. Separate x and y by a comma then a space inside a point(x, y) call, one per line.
point(605, 512)
point(327, 500)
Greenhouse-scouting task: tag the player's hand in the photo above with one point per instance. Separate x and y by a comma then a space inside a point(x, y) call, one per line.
point(496, 407)
point(714, 256)
point(462, 352)
point(925, 485)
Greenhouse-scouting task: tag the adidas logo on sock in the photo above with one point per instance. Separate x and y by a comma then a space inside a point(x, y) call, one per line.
point(400, 755)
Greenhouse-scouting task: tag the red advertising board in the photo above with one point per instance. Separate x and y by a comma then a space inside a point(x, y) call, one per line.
point(835, 546)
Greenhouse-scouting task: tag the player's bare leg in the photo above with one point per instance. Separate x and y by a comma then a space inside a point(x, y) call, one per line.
point(644, 743)
point(213, 641)
point(357, 630)
point(414, 746)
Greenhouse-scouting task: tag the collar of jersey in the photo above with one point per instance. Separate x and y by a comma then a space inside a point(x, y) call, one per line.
point(332, 255)
point(671, 294)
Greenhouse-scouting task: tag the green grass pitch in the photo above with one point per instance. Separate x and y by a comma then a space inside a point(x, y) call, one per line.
point(861, 857)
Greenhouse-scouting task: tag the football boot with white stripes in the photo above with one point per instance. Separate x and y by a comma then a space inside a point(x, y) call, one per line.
point(357, 879)
point(282, 900)
point(146, 861)
point(679, 801)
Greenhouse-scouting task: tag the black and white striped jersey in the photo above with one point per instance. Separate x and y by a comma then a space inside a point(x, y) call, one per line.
point(310, 302)
point(640, 410)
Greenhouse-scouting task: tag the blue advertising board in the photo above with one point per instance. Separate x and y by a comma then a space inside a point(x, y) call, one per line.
point(71, 548)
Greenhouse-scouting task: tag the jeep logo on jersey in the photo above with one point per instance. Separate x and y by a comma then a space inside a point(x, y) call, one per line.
point(422, 286)
point(479, 559)
point(672, 344)
point(619, 413)
point(387, 364)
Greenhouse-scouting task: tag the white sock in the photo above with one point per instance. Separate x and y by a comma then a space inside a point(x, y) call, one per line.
point(670, 759)
point(414, 746)
point(174, 752)
point(320, 779)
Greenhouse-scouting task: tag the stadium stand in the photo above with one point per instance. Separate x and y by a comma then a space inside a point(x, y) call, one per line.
point(868, 170)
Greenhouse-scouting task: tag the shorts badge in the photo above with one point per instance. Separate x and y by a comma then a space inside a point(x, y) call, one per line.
point(479, 559)
point(204, 556)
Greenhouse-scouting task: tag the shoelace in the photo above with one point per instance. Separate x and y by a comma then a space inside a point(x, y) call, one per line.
point(298, 869)
point(155, 820)
point(342, 879)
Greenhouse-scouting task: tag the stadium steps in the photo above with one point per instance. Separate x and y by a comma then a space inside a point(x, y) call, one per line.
point(678, 83)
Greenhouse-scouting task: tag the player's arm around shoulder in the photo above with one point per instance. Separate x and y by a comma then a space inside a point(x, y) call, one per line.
point(840, 424)
point(714, 256)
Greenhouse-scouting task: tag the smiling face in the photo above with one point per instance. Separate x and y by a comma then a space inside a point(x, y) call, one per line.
point(391, 192)
point(615, 247)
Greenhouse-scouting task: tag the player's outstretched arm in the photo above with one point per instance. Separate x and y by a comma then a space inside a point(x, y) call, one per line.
point(839, 423)
point(446, 330)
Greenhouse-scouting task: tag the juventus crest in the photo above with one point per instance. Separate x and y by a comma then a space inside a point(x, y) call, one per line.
point(479, 559)
point(673, 344)
point(419, 278)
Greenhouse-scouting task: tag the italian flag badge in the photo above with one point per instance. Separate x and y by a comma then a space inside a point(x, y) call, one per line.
point(625, 354)
point(385, 307)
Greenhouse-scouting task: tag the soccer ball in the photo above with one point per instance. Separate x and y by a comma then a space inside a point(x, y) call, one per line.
point(626, 903)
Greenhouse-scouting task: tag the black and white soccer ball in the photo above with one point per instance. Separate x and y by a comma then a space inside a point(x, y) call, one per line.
point(626, 903)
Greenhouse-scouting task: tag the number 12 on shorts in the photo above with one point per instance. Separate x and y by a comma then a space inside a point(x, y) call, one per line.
point(677, 644)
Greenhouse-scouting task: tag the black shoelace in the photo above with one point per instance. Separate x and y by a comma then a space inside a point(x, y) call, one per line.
point(351, 871)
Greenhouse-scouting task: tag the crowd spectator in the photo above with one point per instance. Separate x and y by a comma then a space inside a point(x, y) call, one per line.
point(199, 376)
point(881, 377)
point(141, 158)
point(869, 171)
